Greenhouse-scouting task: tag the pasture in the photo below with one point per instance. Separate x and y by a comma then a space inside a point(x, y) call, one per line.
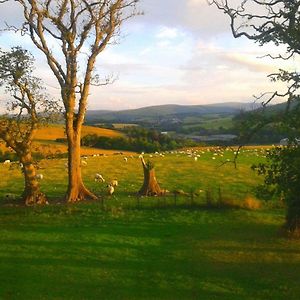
point(126, 247)
point(45, 141)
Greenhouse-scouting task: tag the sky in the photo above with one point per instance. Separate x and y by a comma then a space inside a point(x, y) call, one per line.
point(178, 52)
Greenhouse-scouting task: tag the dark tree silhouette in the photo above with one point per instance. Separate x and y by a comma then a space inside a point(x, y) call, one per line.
point(276, 22)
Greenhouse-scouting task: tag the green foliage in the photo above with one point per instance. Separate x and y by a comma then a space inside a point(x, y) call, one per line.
point(149, 165)
point(283, 172)
point(138, 139)
point(4, 155)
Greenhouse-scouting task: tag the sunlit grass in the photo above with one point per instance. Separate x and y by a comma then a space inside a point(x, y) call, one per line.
point(148, 248)
point(81, 252)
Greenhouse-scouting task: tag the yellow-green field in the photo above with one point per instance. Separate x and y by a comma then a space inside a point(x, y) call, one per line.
point(124, 247)
point(45, 140)
point(188, 170)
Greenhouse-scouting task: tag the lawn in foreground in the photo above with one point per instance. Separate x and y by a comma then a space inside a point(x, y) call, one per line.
point(82, 252)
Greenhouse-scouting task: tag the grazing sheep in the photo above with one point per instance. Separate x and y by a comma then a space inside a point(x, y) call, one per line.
point(114, 183)
point(83, 163)
point(110, 189)
point(195, 158)
point(39, 176)
point(99, 178)
point(125, 159)
point(7, 162)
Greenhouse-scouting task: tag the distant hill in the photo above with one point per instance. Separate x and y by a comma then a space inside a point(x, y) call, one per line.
point(158, 113)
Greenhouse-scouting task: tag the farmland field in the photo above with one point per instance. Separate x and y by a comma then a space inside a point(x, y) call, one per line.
point(45, 140)
point(124, 247)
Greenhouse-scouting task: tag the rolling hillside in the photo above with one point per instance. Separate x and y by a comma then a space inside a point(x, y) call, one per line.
point(53, 132)
point(164, 112)
point(45, 140)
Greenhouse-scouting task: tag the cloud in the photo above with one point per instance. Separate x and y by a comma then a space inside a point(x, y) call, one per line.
point(192, 15)
point(180, 51)
point(167, 33)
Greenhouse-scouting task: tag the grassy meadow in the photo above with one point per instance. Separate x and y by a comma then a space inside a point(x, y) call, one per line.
point(124, 247)
point(45, 140)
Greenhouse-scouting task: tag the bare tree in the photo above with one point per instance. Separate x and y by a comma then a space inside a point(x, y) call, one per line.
point(18, 126)
point(269, 21)
point(81, 28)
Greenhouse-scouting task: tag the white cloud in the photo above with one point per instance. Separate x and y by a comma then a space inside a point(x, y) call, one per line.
point(181, 51)
point(167, 33)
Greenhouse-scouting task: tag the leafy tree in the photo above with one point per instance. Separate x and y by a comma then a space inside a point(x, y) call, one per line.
point(82, 29)
point(26, 110)
point(276, 22)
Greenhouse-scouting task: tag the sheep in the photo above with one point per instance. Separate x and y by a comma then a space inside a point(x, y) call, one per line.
point(39, 176)
point(83, 163)
point(7, 162)
point(99, 178)
point(195, 158)
point(114, 183)
point(110, 189)
point(125, 159)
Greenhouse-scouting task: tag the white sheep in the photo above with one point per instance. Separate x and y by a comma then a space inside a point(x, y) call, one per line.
point(39, 176)
point(125, 159)
point(114, 183)
point(7, 162)
point(83, 163)
point(195, 158)
point(99, 178)
point(110, 189)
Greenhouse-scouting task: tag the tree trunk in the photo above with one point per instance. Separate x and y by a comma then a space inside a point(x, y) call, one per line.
point(150, 186)
point(76, 189)
point(32, 194)
point(293, 219)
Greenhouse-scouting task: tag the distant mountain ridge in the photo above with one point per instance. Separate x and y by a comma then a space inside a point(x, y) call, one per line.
point(159, 112)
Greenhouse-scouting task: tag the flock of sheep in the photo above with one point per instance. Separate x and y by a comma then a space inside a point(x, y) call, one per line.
point(194, 154)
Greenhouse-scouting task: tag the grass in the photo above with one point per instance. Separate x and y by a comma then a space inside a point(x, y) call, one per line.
point(45, 141)
point(52, 132)
point(212, 123)
point(116, 251)
point(81, 252)
point(174, 171)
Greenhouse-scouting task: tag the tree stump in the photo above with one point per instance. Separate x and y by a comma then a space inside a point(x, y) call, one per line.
point(150, 186)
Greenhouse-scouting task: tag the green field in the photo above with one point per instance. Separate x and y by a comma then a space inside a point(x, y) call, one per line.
point(125, 247)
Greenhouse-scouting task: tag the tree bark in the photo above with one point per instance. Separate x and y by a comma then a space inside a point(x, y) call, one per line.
point(293, 219)
point(32, 194)
point(150, 186)
point(76, 189)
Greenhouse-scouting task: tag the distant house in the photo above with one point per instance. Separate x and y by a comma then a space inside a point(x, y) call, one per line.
point(164, 132)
